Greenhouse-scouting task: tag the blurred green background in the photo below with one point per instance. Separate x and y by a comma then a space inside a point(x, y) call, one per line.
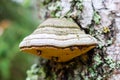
point(17, 20)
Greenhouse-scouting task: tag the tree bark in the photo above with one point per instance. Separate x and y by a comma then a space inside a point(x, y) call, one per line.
point(99, 18)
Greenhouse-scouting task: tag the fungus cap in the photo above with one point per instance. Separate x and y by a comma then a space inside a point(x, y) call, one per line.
point(58, 39)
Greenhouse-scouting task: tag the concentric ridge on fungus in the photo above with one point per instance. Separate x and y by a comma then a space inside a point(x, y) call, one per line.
point(59, 40)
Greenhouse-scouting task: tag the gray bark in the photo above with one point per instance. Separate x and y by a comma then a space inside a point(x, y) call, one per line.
point(107, 16)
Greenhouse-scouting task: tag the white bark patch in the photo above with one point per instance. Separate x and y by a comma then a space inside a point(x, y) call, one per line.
point(105, 17)
point(98, 4)
point(87, 14)
point(66, 6)
point(113, 5)
point(117, 23)
point(110, 5)
point(118, 8)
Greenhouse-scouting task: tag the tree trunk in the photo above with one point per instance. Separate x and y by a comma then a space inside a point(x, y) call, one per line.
point(99, 18)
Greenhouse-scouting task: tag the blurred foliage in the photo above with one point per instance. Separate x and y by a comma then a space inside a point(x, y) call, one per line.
point(13, 63)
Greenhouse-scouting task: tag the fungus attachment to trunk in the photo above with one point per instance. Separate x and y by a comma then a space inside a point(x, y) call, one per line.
point(59, 40)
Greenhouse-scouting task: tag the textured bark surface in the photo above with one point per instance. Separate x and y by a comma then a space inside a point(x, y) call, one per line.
point(109, 11)
point(99, 18)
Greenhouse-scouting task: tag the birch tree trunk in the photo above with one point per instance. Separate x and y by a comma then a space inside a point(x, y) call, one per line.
point(99, 18)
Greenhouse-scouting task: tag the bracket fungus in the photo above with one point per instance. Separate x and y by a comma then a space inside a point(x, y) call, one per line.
point(59, 40)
